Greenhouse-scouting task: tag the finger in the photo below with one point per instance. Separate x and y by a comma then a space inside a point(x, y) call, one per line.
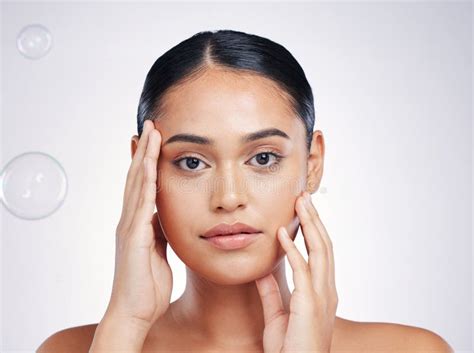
point(327, 240)
point(161, 242)
point(301, 272)
point(138, 156)
point(317, 221)
point(274, 314)
point(317, 253)
point(308, 227)
point(146, 203)
point(134, 178)
point(136, 189)
point(270, 296)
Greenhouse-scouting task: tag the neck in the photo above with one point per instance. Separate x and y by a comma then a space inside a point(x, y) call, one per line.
point(225, 314)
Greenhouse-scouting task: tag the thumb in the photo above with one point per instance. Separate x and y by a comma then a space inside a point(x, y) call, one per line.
point(271, 298)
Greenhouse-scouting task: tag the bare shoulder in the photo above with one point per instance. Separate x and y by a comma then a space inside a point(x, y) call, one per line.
point(357, 336)
point(349, 337)
point(73, 340)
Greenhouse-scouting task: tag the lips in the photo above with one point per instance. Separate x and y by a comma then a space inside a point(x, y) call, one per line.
point(228, 229)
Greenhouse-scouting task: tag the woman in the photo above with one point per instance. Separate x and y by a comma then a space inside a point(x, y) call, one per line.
point(226, 145)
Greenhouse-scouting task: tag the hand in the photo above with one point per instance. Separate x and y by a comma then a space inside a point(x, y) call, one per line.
point(308, 327)
point(143, 279)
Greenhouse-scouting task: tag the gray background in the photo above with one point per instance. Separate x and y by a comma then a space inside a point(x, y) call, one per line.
point(393, 93)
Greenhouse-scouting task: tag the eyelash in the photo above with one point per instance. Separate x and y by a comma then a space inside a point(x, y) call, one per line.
point(278, 158)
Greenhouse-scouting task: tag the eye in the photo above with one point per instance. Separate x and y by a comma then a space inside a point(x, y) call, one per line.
point(191, 162)
point(262, 158)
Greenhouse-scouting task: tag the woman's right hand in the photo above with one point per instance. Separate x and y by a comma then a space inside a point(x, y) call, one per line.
point(143, 279)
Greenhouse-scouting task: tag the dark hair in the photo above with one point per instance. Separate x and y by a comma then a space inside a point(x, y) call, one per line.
point(231, 50)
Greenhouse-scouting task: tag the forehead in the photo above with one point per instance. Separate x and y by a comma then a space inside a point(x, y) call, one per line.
point(220, 102)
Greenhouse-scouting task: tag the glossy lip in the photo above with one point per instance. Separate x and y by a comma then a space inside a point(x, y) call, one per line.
point(231, 236)
point(223, 229)
point(233, 241)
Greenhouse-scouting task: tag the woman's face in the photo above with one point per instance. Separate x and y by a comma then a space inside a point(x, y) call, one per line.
point(229, 179)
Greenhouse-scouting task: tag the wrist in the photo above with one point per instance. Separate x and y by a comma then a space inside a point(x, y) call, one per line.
point(134, 324)
point(115, 333)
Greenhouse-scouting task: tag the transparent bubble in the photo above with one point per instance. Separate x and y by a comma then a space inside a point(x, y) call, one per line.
point(33, 185)
point(34, 41)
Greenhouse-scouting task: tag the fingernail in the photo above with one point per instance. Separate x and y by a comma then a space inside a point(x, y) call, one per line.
point(149, 123)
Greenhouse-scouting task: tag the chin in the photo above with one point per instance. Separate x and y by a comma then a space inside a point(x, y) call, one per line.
point(236, 271)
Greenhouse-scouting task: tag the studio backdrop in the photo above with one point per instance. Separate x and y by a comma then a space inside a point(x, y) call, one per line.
point(392, 83)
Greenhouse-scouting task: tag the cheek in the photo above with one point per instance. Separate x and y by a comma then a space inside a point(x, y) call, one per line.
point(182, 223)
point(166, 203)
point(278, 203)
point(179, 220)
point(278, 210)
point(282, 188)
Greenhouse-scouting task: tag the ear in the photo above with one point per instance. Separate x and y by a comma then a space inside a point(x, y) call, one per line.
point(134, 144)
point(315, 162)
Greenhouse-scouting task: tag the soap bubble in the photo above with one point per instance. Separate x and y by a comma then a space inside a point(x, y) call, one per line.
point(33, 185)
point(34, 41)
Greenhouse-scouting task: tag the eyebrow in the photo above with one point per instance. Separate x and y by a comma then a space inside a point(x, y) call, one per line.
point(202, 140)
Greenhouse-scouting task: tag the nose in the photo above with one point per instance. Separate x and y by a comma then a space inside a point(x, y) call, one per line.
point(229, 192)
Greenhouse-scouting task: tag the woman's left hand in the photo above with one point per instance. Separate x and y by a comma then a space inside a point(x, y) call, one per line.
point(308, 327)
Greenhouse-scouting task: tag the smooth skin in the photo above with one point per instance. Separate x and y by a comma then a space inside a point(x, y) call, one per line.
point(142, 264)
point(310, 323)
point(227, 292)
point(143, 278)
